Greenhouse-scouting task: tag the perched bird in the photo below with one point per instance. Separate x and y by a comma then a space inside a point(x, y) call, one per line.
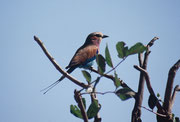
point(84, 56)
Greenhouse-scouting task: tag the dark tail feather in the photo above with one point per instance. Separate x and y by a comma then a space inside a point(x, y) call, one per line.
point(58, 81)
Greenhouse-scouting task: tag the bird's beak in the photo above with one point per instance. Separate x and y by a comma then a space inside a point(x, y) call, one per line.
point(105, 36)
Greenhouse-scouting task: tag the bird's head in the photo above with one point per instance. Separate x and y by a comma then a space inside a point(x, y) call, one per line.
point(95, 38)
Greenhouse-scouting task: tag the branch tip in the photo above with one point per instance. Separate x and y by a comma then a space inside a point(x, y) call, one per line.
point(36, 38)
point(177, 88)
point(152, 41)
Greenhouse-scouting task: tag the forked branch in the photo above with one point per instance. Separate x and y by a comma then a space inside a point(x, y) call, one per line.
point(169, 87)
point(148, 83)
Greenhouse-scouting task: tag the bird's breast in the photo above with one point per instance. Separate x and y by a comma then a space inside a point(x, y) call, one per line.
point(89, 61)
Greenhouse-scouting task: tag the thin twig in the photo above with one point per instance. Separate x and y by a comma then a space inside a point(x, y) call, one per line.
point(101, 93)
point(115, 66)
point(162, 115)
point(123, 84)
point(105, 74)
point(79, 83)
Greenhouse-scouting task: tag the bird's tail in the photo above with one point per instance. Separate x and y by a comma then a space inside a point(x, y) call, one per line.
point(56, 82)
point(52, 85)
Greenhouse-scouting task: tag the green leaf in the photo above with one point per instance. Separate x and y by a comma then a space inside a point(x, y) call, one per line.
point(93, 109)
point(117, 81)
point(152, 101)
point(87, 76)
point(158, 95)
point(137, 48)
point(75, 111)
point(177, 119)
point(126, 51)
point(84, 102)
point(101, 63)
point(108, 57)
point(120, 49)
point(125, 93)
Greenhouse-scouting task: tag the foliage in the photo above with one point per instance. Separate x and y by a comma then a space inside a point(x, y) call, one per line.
point(93, 109)
point(101, 63)
point(91, 112)
point(108, 57)
point(75, 111)
point(123, 93)
point(123, 50)
point(87, 76)
point(152, 101)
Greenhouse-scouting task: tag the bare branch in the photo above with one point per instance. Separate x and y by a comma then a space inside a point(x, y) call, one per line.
point(116, 66)
point(167, 97)
point(150, 89)
point(152, 41)
point(57, 66)
point(123, 84)
point(162, 115)
point(136, 113)
point(101, 93)
point(176, 89)
point(140, 56)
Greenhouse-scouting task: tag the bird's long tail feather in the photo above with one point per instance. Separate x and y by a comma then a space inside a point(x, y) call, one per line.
point(56, 82)
point(52, 85)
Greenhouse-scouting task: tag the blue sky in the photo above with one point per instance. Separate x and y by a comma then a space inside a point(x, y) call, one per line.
point(63, 26)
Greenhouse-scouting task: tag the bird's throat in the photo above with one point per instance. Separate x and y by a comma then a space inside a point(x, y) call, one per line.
point(96, 42)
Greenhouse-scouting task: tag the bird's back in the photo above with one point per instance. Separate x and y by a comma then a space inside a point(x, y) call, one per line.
point(83, 56)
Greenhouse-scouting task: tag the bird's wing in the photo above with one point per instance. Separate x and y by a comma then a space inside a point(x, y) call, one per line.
point(83, 54)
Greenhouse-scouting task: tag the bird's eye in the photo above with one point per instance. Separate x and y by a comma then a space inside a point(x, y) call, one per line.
point(98, 35)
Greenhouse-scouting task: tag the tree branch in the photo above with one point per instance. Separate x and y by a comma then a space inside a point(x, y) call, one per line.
point(167, 97)
point(136, 113)
point(176, 89)
point(101, 93)
point(150, 89)
point(162, 115)
point(140, 56)
point(123, 84)
point(78, 99)
point(152, 41)
point(57, 66)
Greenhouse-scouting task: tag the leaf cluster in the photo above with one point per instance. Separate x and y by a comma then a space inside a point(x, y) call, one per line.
point(91, 112)
point(123, 93)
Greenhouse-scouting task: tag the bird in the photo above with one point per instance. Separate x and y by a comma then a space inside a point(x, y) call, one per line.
point(84, 56)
